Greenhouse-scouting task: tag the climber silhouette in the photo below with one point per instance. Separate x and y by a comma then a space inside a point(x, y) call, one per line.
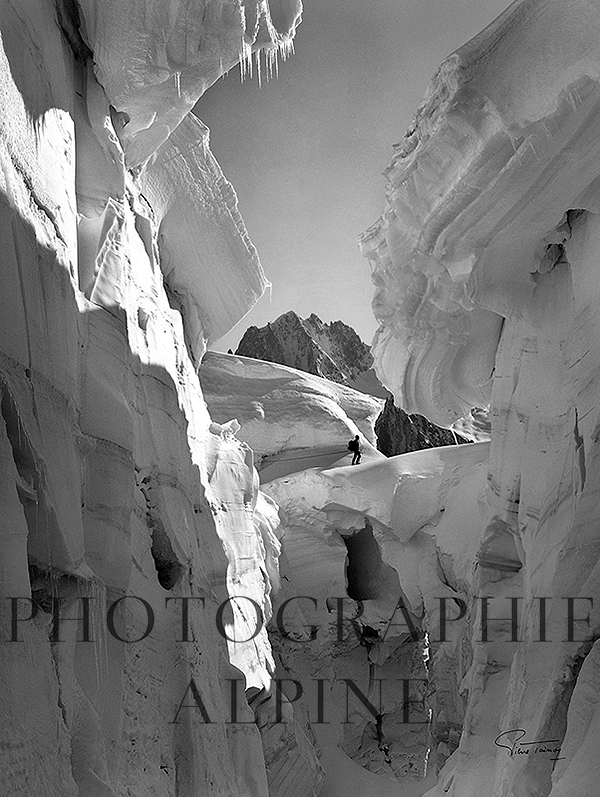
point(354, 446)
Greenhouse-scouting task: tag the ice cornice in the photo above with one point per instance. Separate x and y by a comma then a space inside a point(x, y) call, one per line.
point(154, 60)
point(188, 193)
point(505, 141)
point(147, 66)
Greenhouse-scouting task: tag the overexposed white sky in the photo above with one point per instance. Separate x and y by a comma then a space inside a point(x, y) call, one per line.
point(305, 152)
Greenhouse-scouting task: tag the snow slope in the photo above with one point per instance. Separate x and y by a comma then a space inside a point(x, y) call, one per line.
point(334, 351)
point(291, 419)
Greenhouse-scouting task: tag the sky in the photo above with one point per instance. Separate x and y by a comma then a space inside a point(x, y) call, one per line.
point(306, 151)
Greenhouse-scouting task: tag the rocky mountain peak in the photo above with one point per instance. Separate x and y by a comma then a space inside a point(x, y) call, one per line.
point(331, 350)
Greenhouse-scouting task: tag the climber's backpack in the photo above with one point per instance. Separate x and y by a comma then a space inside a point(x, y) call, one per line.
point(351, 444)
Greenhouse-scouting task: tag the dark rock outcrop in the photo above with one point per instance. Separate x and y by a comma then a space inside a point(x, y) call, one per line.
point(287, 341)
point(398, 432)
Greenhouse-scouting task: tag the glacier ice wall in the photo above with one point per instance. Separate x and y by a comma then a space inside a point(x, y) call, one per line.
point(114, 480)
point(486, 272)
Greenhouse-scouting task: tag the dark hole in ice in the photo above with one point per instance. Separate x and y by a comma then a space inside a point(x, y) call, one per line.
point(363, 569)
point(168, 568)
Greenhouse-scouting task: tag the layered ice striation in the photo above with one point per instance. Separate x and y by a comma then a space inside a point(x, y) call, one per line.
point(485, 266)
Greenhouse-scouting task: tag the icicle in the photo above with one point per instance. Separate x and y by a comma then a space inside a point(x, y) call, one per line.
point(280, 45)
point(257, 56)
point(245, 61)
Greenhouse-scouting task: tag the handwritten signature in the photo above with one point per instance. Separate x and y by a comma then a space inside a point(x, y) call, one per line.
point(516, 747)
